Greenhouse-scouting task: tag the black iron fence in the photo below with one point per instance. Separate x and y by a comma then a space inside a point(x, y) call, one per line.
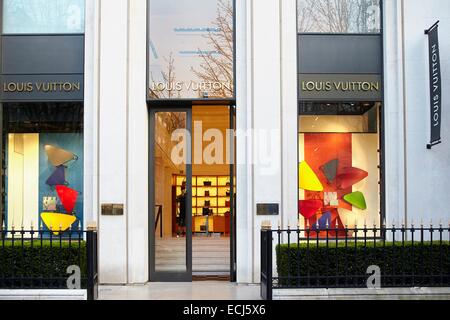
point(44, 259)
point(355, 258)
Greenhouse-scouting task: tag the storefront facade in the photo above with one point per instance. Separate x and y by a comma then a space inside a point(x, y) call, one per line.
point(42, 97)
point(345, 104)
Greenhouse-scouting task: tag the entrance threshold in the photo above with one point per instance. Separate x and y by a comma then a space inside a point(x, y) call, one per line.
point(211, 276)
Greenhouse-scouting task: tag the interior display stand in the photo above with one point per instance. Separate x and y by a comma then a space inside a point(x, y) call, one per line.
point(212, 192)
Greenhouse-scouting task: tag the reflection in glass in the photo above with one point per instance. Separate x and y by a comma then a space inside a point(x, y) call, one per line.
point(339, 16)
point(171, 209)
point(43, 16)
point(191, 49)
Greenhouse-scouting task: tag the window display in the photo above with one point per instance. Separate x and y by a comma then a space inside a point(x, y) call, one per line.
point(339, 169)
point(44, 166)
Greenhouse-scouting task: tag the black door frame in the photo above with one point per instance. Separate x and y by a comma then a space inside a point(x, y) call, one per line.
point(187, 276)
point(167, 276)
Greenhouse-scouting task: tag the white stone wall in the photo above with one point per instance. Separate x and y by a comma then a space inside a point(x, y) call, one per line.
point(428, 172)
point(117, 121)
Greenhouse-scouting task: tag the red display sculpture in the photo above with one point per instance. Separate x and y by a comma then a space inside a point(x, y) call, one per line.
point(68, 197)
point(350, 176)
point(309, 208)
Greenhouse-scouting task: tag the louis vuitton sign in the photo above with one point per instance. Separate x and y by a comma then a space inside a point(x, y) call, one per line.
point(340, 87)
point(41, 87)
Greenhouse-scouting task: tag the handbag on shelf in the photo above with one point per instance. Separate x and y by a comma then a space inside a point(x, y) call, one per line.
point(207, 203)
point(207, 183)
point(228, 184)
point(228, 193)
point(207, 193)
point(227, 204)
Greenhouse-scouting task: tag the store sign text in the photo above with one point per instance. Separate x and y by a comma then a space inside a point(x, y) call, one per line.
point(191, 86)
point(29, 87)
point(343, 86)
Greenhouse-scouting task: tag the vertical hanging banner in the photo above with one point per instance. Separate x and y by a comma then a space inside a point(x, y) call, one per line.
point(435, 86)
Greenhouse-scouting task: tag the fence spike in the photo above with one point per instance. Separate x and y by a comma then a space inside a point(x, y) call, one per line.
point(79, 225)
point(60, 227)
point(337, 224)
point(32, 225)
point(307, 224)
point(279, 224)
point(41, 227)
point(3, 226)
point(327, 225)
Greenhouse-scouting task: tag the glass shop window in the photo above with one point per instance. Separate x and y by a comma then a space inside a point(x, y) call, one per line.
point(339, 161)
point(42, 166)
point(339, 16)
point(43, 16)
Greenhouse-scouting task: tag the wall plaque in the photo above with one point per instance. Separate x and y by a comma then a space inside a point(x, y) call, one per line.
point(267, 209)
point(111, 209)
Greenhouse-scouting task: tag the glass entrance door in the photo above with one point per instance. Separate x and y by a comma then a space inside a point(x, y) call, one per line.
point(170, 201)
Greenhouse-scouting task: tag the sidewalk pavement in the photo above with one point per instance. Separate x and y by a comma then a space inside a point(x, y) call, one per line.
point(208, 290)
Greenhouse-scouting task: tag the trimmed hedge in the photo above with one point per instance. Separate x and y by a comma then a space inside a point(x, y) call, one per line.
point(36, 266)
point(426, 265)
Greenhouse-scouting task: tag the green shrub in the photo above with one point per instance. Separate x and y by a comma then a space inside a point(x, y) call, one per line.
point(36, 266)
point(401, 265)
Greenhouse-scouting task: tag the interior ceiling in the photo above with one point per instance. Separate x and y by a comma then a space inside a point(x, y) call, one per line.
point(339, 108)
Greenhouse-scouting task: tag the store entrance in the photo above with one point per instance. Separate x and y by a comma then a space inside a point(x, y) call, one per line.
point(192, 216)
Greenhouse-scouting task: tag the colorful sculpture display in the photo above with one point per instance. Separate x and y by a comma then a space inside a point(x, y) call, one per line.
point(60, 221)
point(340, 182)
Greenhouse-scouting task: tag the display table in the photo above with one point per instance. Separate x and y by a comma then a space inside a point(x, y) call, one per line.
point(216, 224)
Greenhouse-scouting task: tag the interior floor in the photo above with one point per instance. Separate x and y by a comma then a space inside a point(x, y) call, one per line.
point(210, 256)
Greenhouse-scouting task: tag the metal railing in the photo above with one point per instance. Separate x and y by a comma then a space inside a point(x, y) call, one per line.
point(354, 257)
point(45, 259)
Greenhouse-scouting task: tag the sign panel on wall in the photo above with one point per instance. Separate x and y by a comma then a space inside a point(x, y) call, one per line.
point(55, 87)
point(340, 87)
point(435, 85)
point(42, 68)
point(191, 49)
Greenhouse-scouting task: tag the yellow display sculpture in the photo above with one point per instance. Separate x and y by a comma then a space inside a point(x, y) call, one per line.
point(58, 222)
point(308, 179)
